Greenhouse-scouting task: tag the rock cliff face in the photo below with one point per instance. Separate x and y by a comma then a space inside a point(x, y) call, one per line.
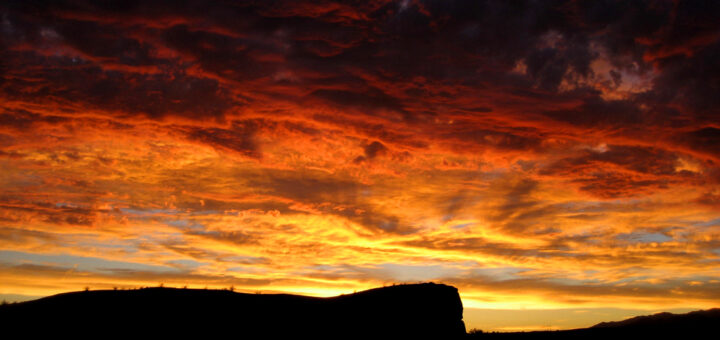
point(405, 311)
point(421, 309)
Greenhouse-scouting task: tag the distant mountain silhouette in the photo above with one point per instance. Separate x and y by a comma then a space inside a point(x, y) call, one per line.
point(425, 310)
point(694, 325)
point(694, 319)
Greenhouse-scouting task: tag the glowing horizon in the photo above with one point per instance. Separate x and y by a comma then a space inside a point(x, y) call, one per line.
point(540, 157)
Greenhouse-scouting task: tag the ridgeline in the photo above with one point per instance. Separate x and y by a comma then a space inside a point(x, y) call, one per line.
point(425, 310)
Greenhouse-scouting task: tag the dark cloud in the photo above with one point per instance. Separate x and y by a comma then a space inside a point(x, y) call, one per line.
point(310, 187)
point(372, 101)
point(549, 66)
point(226, 56)
point(690, 81)
point(706, 140)
point(709, 199)
point(372, 150)
point(645, 160)
point(406, 75)
point(240, 138)
point(473, 136)
point(176, 54)
point(610, 185)
point(102, 42)
point(619, 170)
point(117, 92)
point(24, 121)
point(596, 112)
point(376, 130)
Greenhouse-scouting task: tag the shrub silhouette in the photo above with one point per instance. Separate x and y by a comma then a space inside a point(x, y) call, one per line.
point(475, 331)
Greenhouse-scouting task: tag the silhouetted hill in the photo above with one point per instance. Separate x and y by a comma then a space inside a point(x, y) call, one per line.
point(406, 311)
point(694, 319)
point(693, 325)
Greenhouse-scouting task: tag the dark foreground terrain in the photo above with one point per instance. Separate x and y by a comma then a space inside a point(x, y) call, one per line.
point(405, 311)
point(418, 311)
point(693, 325)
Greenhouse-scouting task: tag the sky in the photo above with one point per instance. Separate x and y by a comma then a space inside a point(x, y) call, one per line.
point(556, 161)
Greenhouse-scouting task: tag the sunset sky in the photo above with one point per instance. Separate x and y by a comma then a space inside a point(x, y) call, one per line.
point(556, 161)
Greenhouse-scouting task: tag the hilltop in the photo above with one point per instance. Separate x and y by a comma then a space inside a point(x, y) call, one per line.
point(425, 310)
